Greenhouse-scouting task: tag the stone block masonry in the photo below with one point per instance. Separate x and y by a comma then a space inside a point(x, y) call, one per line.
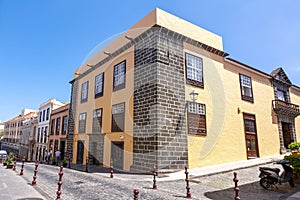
point(159, 136)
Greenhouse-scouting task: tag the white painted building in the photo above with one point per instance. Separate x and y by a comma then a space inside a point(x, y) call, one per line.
point(43, 127)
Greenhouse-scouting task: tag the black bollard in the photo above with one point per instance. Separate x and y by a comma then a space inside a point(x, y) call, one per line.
point(188, 192)
point(111, 171)
point(86, 164)
point(154, 178)
point(136, 194)
point(59, 183)
point(236, 188)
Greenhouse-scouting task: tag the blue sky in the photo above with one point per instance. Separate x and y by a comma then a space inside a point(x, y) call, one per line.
point(43, 42)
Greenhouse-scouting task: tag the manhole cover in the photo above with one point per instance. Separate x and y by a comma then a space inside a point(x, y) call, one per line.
point(78, 182)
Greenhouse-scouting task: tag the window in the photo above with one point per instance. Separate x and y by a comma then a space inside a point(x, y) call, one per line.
point(57, 126)
point(196, 118)
point(42, 135)
point(52, 126)
point(281, 95)
point(46, 134)
point(44, 115)
point(55, 145)
point(194, 70)
point(99, 80)
point(118, 117)
point(97, 120)
point(84, 91)
point(119, 75)
point(40, 116)
point(246, 88)
point(64, 124)
point(48, 114)
point(81, 124)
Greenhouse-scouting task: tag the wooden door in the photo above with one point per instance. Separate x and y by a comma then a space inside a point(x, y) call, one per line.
point(251, 143)
point(287, 136)
point(250, 136)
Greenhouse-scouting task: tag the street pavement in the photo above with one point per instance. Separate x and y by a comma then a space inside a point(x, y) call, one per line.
point(13, 187)
point(213, 182)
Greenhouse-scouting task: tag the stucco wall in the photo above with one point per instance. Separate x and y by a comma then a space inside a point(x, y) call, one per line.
point(108, 99)
point(225, 140)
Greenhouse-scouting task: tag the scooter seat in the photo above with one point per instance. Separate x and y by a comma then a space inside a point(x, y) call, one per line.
point(276, 170)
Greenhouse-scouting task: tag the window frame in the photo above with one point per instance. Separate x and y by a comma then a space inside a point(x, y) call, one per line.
point(115, 117)
point(243, 96)
point(280, 97)
point(99, 94)
point(52, 127)
point(191, 81)
point(79, 122)
point(58, 123)
point(47, 114)
point(96, 119)
point(64, 125)
point(199, 115)
point(84, 98)
point(121, 85)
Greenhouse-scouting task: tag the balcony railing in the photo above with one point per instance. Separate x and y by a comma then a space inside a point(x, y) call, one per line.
point(282, 107)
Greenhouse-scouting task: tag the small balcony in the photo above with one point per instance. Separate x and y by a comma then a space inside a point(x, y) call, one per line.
point(285, 108)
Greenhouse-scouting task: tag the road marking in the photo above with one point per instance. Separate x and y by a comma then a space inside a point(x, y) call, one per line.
point(5, 186)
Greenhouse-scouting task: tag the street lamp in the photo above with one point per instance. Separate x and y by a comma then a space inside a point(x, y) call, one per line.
point(194, 95)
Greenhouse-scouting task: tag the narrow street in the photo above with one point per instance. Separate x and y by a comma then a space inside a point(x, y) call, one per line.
point(81, 185)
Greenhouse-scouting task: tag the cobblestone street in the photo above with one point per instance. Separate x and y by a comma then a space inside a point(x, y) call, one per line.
point(81, 185)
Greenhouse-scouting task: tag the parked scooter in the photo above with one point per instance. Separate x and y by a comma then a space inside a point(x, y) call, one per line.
point(272, 176)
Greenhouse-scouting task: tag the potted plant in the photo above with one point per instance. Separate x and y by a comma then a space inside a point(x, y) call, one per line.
point(64, 163)
point(9, 163)
point(294, 147)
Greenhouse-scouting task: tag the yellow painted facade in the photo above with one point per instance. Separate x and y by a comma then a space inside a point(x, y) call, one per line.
point(105, 102)
point(225, 140)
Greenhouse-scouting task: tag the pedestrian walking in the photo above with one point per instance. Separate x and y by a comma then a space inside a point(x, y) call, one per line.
point(57, 155)
point(49, 154)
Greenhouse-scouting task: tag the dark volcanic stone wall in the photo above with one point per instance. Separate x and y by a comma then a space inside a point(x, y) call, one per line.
point(159, 102)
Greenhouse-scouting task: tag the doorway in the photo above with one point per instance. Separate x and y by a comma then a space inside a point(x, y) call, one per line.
point(62, 149)
point(117, 154)
point(287, 135)
point(250, 136)
point(80, 151)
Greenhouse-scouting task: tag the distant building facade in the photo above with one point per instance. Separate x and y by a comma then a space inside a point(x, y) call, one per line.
point(27, 139)
point(42, 135)
point(58, 130)
point(13, 131)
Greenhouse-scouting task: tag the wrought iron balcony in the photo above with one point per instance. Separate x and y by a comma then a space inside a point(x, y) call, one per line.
point(285, 108)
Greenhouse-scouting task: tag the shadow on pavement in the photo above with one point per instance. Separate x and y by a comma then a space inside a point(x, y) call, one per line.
point(254, 191)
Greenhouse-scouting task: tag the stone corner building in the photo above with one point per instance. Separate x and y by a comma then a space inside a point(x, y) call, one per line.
point(165, 94)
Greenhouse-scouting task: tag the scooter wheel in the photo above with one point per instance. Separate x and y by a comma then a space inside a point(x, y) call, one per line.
point(266, 183)
point(291, 182)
